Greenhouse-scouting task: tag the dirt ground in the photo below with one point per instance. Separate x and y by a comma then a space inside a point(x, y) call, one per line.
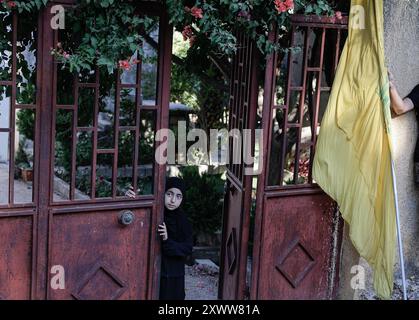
point(412, 291)
point(200, 283)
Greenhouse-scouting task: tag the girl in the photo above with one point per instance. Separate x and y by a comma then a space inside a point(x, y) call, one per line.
point(176, 235)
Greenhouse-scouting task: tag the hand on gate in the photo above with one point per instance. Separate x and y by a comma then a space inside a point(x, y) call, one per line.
point(130, 193)
point(163, 231)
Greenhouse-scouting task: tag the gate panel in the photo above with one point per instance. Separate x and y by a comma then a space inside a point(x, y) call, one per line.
point(91, 140)
point(104, 126)
point(297, 226)
point(16, 257)
point(237, 199)
point(297, 247)
point(104, 260)
point(20, 55)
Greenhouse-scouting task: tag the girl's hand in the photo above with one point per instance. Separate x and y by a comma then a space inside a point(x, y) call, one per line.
point(130, 193)
point(163, 231)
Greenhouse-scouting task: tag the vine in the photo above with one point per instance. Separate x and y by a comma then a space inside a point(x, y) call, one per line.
point(109, 29)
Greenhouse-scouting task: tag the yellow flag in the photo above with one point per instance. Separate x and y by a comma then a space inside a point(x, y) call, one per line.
point(353, 154)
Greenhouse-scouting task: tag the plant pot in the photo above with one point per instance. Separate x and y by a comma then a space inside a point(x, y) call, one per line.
point(18, 172)
point(27, 174)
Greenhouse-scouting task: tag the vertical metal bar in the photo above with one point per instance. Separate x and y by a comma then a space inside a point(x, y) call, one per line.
point(253, 94)
point(95, 135)
point(231, 109)
point(242, 106)
point(74, 138)
point(53, 116)
point(245, 105)
point(287, 105)
point(36, 155)
point(37, 111)
point(137, 138)
point(43, 217)
point(247, 85)
point(13, 114)
point(236, 141)
point(301, 106)
point(337, 52)
point(315, 119)
point(164, 71)
point(399, 234)
point(116, 142)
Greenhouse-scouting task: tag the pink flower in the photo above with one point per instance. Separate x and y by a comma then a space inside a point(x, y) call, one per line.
point(187, 32)
point(66, 55)
point(11, 4)
point(283, 5)
point(197, 12)
point(338, 15)
point(124, 64)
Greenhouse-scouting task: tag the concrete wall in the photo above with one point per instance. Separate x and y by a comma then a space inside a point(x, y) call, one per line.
point(401, 36)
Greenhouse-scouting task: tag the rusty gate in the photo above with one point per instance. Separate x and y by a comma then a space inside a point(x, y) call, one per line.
point(237, 198)
point(297, 228)
point(70, 147)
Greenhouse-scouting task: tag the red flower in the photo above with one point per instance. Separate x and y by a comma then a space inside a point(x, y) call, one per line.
point(124, 64)
point(283, 5)
point(197, 12)
point(187, 32)
point(11, 4)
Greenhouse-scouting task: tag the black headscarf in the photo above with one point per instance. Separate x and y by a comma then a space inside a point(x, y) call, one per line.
point(180, 242)
point(175, 182)
point(173, 218)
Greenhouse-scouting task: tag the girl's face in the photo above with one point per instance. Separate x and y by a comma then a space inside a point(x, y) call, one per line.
point(173, 198)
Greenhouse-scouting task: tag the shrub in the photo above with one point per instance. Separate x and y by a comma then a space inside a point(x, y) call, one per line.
point(203, 200)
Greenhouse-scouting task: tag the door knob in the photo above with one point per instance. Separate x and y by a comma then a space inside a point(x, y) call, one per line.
point(126, 218)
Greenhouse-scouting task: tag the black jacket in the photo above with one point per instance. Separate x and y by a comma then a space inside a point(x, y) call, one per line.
point(178, 245)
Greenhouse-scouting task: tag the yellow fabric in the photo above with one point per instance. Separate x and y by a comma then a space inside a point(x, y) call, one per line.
point(353, 158)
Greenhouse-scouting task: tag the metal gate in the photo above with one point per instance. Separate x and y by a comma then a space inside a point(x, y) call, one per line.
point(70, 147)
point(237, 199)
point(298, 227)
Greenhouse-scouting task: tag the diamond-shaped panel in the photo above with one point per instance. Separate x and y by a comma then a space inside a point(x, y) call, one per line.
point(101, 284)
point(232, 251)
point(296, 262)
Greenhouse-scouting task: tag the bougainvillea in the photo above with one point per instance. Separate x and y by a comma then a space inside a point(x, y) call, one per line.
point(110, 27)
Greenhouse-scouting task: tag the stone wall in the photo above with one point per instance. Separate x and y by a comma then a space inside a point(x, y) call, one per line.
point(401, 37)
